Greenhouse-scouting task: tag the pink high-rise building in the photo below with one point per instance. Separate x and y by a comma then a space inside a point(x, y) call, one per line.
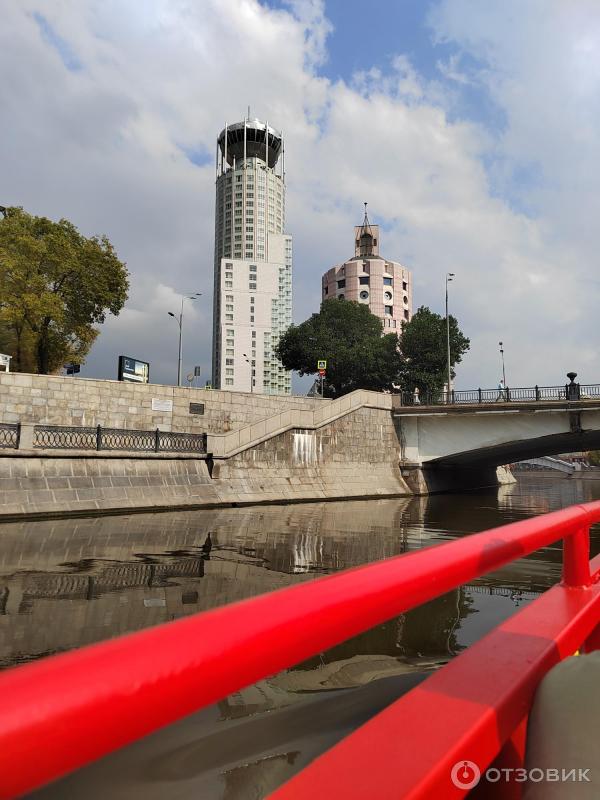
point(369, 278)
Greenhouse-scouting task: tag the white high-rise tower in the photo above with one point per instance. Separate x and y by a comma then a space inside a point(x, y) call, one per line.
point(253, 260)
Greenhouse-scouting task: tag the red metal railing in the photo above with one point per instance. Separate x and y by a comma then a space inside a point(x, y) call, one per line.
point(60, 713)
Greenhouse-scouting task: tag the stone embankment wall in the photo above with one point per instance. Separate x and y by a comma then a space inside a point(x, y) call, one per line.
point(57, 400)
point(263, 449)
point(355, 456)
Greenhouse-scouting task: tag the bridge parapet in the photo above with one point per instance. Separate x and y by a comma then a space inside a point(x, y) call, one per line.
point(569, 392)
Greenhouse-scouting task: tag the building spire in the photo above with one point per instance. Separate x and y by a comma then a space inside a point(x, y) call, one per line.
point(365, 237)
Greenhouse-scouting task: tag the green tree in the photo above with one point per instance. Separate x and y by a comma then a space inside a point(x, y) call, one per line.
point(424, 351)
point(56, 285)
point(594, 458)
point(348, 336)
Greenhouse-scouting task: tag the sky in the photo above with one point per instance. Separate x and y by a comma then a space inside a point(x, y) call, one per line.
point(469, 126)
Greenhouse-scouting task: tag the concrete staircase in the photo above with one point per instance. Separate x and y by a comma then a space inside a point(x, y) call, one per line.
point(225, 445)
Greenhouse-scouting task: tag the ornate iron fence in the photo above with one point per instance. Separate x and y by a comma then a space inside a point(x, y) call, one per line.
point(9, 435)
point(529, 394)
point(63, 437)
point(182, 442)
point(126, 439)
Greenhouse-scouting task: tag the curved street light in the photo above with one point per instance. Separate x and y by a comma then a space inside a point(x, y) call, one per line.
point(179, 320)
point(251, 371)
point(449, 277)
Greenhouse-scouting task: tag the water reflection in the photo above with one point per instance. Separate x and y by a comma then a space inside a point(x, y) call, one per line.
point(68, 583)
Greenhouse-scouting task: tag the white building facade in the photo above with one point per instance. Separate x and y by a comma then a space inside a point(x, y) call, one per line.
point(252, 303)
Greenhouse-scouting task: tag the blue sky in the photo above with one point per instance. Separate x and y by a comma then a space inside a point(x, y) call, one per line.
point(470, 126)
point(366, 35)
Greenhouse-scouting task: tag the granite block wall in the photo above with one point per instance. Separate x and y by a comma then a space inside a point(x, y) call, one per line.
point(58, 400)
point(354, 456)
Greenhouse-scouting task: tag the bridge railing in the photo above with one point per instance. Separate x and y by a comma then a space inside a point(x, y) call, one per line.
point(65, 711)
point(521, 394)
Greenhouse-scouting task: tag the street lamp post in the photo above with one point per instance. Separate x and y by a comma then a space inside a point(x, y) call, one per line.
point(503, 370)
point(449, 277)
point(251, 372)
point(179, 320)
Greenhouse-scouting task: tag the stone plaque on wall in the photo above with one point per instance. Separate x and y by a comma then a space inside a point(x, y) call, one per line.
point(196, 408)
point(161, 405)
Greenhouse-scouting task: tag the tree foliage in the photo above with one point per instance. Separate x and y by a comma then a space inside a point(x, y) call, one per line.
point(424, 351)
point(56, 286)
point(348, 336)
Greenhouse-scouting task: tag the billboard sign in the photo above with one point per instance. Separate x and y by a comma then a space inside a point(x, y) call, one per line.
point(132, 369)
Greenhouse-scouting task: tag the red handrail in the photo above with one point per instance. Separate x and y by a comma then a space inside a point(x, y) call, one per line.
point(89, 702)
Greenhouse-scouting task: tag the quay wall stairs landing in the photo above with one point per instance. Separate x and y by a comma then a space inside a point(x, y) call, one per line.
point(229, 444)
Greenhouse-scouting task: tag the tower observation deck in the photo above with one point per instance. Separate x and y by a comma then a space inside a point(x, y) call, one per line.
point(249, 139)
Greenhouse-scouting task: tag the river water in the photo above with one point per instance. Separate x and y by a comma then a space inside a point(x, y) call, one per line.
point(72, 582)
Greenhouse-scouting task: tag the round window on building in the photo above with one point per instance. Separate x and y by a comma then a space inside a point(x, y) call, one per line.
point(405, 300)
point(364, 295)
point(387, 295)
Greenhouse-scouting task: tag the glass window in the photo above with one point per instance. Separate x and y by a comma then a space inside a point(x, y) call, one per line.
point(252, 286)
point(387, 281)
point(404, 285)
point(364, 295)
point(388, 310)
point(387, 296)
point(405, 314)
point(341, 284)
point(230, 332)
point(229, 317)
point(364, 280)
point(228, 381)
point(252, 267)
point(326, 290)
point(229, 284)
point(229, 362)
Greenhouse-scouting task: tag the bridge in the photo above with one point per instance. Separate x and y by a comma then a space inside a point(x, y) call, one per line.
point(548, 462)
point(458, 440)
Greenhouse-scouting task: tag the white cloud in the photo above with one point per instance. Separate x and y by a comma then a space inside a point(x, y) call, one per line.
point(102, 136)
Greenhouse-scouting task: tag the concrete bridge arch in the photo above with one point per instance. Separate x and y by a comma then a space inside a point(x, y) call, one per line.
point(450, 447)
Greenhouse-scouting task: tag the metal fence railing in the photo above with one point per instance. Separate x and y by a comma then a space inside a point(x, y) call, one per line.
point(9, 435)
point(66, 437)
point(528, 394)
